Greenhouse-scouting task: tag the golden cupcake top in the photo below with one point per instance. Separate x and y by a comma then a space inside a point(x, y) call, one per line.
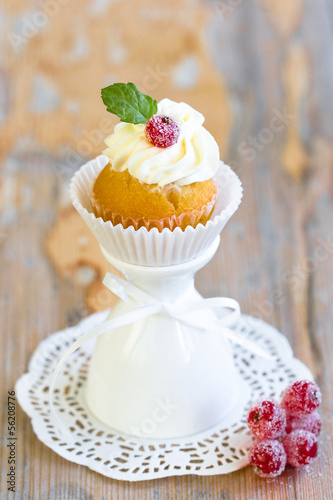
point(158, 143)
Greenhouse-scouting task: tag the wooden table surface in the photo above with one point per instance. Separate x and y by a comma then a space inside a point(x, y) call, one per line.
point(261, 71)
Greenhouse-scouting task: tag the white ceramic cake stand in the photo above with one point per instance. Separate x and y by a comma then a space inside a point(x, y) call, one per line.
point(160, 377)
point(220, 449)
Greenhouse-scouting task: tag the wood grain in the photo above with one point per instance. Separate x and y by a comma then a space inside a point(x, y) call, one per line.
point(75, 253)
point(240, 63)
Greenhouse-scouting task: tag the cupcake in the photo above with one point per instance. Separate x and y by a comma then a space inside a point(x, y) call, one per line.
point(138, 238)
point(162, 163)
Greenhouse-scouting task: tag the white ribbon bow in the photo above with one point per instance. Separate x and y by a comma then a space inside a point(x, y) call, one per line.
point(145, 305)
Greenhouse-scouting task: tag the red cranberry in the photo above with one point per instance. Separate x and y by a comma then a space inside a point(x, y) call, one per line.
point(301, 448)
point(301, 398)
point(163, 131)
point(268, 458)
point(311, 423)
point(266, 419)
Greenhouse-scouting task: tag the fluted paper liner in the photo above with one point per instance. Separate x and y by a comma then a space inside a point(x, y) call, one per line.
point(192, 218)
point(154, 248)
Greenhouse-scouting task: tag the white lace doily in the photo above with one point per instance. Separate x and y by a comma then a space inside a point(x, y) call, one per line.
point(219, 450)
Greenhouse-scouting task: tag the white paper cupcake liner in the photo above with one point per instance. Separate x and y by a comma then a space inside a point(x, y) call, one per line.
point(191, 217)
point(154, 248)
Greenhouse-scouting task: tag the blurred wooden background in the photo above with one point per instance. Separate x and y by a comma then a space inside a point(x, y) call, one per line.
point(261, 71)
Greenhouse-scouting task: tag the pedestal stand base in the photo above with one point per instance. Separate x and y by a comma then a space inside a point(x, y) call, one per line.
point(218, 450)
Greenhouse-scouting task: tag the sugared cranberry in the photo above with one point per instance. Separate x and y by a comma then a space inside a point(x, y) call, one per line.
point(311, 423)
point(163, 131)
point(268, 458)
point(266, 419)
point(301, 398)
point(301, 448)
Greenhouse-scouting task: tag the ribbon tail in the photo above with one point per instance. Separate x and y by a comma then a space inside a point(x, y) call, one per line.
point(237, 338)
point(219, 328)
point(213, 302)
point(107, 326)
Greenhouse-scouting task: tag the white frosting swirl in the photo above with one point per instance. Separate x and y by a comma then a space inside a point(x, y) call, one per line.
point(194, 157)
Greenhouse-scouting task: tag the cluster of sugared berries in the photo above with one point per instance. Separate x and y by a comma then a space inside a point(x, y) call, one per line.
point(286, 433)
point(162, 131)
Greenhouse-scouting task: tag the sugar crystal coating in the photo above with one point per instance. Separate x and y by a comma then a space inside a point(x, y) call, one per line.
point(266, 419)
point(311, 423)
point(301, 448)
point(268, 458)
point(301, 398)
point(163, 131)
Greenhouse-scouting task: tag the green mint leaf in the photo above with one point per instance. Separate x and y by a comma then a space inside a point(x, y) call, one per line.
point(126, 101)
